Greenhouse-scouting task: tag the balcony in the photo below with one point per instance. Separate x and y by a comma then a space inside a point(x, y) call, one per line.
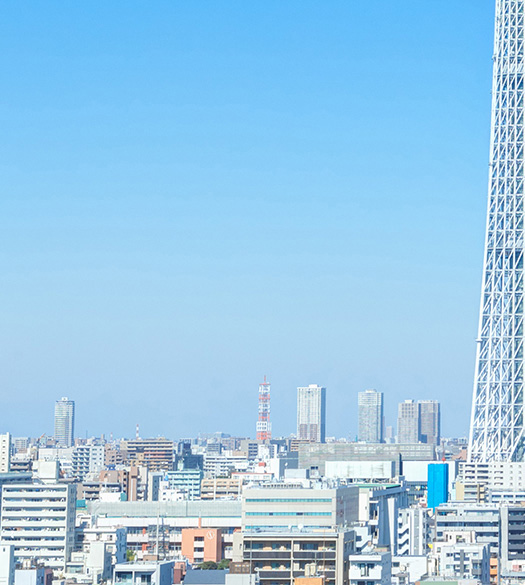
point(314, 555)
point(273, 575)
point(266, 555)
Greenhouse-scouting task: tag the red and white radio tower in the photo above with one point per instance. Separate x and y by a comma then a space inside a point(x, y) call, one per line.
point(264, 426)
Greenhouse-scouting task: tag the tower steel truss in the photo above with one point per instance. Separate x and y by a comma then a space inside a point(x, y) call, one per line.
point(264, 426)
point(497, 426)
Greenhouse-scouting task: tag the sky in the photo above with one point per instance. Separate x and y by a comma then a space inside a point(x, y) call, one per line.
point(197, 194)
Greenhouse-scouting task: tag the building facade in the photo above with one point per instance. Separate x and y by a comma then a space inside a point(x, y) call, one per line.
point(430, 421)
point(371, 416)
point(311, 413)
point(408, 422)
point(65, 422)
point(39, 521)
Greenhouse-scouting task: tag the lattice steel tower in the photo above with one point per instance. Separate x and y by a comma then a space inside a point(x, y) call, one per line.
point(264, 426)
point(496, 429)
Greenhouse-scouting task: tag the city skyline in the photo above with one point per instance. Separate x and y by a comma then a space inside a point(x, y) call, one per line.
point(182, 230)
point(240, 246)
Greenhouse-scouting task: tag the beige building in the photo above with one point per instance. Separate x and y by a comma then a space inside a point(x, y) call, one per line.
point(221, 488)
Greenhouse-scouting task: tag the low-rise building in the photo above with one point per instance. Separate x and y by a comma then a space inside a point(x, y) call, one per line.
point(145, 572)
point(371, 568)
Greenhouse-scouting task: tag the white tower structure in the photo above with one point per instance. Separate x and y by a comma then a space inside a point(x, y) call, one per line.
point(497, 425)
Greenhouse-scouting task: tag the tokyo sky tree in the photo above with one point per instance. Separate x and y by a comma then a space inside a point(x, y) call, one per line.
point(496, 428)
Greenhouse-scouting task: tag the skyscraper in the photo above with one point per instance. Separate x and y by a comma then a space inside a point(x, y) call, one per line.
point(371, 419)
point(264, 426)
point(311, 413)
point(65, 422)
point(497, 420)
point(430, 421)
point(408, 422)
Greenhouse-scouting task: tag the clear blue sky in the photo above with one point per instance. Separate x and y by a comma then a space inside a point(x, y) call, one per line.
point(195, 194)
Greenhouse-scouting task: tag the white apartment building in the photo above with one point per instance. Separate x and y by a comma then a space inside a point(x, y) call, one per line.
point(372, 568)
point(481, 519)
point(5, 453)
point(222, 465)
point(461, 557)
point(414, 531)
point(477, 481)
point(87, 459)
point(39, 521)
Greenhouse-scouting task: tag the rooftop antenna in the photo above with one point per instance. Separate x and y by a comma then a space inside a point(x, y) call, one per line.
point(137, 432)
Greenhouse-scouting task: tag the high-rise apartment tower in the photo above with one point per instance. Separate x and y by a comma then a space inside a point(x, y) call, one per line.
point(408, 422)
point(311, 413)
point(430, 421)
point(371, 419)
point(497, 420)
point(264, 426)
point(65, 422)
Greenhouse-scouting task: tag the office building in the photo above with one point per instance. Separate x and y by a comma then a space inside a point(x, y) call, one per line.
point(371, 416)
point(497, 422)
point(408, 422)
point(437, 484)
point(65, 422)
point(274, 508)
point(311, 413)
point(39, 521)
point(430, 421)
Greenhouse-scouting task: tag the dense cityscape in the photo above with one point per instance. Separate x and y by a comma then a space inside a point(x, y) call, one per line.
point(396, 505)
point(98, 508)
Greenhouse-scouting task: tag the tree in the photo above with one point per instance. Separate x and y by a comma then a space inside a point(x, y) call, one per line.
point(224, 564)
point(130, 555)
point(208, 566)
